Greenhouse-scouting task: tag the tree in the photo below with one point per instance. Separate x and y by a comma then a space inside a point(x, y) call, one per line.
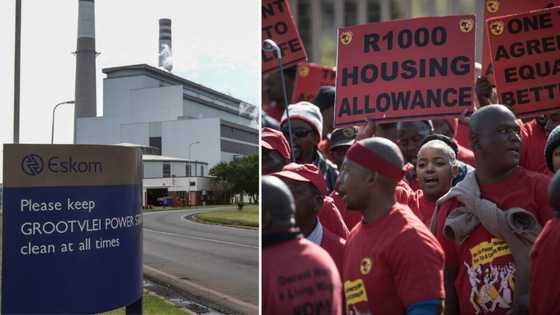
point(241, 174)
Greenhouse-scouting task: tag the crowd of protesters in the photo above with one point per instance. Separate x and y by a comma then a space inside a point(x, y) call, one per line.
point(454, 216)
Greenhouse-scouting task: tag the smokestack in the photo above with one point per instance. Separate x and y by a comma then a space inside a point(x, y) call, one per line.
point(165, 55)
point(85, 61)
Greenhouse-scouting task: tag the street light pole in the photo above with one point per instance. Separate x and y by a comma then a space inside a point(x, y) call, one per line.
point(53, 112)
point(196, 142)
point(17, 66)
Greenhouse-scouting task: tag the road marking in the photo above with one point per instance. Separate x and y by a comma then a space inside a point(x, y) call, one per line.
point(201, 239)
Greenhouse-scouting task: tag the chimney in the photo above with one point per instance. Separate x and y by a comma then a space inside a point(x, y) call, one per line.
point(165, 55)
point(85, 61)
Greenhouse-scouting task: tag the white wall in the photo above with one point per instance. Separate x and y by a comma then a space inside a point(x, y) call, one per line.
point(116, 93)
point(155, 104)
point(138, 133)
point(177, 135)
point(97, 131)
point(196, 110)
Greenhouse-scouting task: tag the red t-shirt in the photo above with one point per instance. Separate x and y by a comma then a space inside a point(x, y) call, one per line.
point(533, 141)
point(350, 217)
point(334, 245)
point(462, 135)
point(390, 264)
point(325, 147)
point(331, 218)
point(299, 275)
point(484, 263)
point(465, 155)
point(423, 208)
point(544, 289)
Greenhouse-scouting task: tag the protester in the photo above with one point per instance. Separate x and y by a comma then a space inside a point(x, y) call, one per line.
point(533, 140)
point(436, 167)
point(275, 151)
point(485, 246)
point(545, 279)
point(552, 151)
point(307, 127)
point(290, 263)
point(272, 93)
point(392, 263)
point(340, 141)
point(308, 188)
point(462, 168)
point(325, 101)
point(448, 127)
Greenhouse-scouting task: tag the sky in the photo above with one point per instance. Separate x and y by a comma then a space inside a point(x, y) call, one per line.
point(215, 43)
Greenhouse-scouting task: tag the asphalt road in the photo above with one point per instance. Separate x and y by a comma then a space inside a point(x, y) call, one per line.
point(221, 258)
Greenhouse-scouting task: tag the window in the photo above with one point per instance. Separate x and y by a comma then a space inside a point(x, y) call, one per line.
point(166, 170)
point(155, 142)
point(201, 170)
point(188, 170)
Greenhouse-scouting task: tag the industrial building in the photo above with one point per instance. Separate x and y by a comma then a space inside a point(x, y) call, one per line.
point(187, 128)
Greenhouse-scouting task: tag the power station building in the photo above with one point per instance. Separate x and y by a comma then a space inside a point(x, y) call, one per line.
point(183, 128)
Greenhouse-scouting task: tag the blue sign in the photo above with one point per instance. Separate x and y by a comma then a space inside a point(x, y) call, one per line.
point(72, 235)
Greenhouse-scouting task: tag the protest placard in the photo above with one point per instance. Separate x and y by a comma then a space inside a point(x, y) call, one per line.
point(278, 24)
point(526, 56)
point(309, 78)
point(412, 69)
point(494, 8)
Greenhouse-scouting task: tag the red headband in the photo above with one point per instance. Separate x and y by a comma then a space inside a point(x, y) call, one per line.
point(373, 162)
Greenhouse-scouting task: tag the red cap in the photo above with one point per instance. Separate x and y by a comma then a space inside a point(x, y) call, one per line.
point(274, 140)
point(308, 173)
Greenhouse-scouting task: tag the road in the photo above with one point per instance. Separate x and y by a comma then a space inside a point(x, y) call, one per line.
point(220, 258)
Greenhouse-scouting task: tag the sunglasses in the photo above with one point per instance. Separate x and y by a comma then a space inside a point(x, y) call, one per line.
point(298, 132)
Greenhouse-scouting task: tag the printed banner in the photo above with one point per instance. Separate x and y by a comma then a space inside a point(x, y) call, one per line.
point(309, 78)
point(413, 69)
point(526, 56)
point(278, 25)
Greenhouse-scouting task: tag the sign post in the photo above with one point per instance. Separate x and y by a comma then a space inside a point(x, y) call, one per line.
point(72, 236)
point(412, 69)
point(526, 58)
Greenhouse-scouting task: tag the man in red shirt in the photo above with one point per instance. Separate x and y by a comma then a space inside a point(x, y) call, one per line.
point(479, 270)
point(544, 289)
point(309, 188)
point(275, 150)
point(297, 275)
point(392, 263)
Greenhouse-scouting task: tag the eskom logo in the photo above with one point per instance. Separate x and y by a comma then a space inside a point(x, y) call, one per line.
point(32, 165)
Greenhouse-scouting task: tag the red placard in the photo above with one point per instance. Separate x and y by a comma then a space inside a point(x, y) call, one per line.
point(278, 25)
point(494, 8)
point(309, 78)
point(413, 69)
point(526, 56)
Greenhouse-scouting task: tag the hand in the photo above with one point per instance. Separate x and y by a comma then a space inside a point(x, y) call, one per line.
point(484, 91)
point(464, 118)
point(366, 131)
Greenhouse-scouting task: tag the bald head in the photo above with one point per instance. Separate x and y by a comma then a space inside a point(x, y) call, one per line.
point(554, 192)
point(485, 118)
point(278, 207)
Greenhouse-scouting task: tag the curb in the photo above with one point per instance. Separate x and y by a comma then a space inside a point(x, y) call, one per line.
point(211, 297)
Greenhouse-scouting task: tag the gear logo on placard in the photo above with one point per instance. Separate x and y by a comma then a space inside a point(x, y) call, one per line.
point(365, 265)
point(303, 71)
point(496, 28)
point(492, 6)
point(32, 165)
point(346, 37)
point(466, 25)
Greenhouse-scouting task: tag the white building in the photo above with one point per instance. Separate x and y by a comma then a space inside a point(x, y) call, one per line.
point(188, 127)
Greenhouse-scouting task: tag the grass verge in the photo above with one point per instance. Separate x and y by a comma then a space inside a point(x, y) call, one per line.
point(154, 305)
point(249, 216)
